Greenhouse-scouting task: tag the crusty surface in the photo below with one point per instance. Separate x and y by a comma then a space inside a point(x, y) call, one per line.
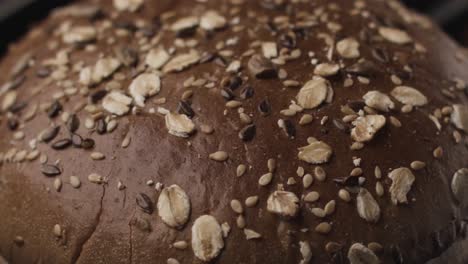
point(101, 223)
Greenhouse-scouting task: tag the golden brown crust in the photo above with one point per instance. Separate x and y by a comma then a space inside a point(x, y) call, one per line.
point(402, 146)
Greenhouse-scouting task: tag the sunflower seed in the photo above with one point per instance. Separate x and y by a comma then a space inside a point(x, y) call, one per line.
point(207, 238)
point(402, 180)
point(174, 206)
point(367, 207)
point(236, 206)
point(261, 67)
point(311, 197)
point(265, 179)
point(348, 48)
point(172, 261)
point(459, 186)
point(459, 117)
point(251, 201)
point(330, 207)
point(359, 254)
point(57, 231)
point(283, 203)
point(307, 181)
point(313, 93)
point(318, 212)
point(97, 156)
point(145, 203)
point(306, 252)
point(180, 244)
point(306, 119)
point(438, 152)
point(409, 96)
point(417, 165)
point(219, 156)
point(316, 152)
point(379, 189)
point(179, 125)
point(95, 178)
point(57, 184)
point(344, 195)
point(75, 182)
point(9, 100)
point(241, 169)
point(323, 228)
point(395, 35)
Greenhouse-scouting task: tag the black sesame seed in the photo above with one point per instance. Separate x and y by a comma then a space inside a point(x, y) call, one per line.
point(264, 107)
point(50, 133)
point(350, 181)
point(227, 94)
point(50, 170)
point(73, 123)
point(247, 133)
point(62, 144)
point(88, 143)
point(77, 140)
point(340, 125)
point(247, 92)
point(12, 124)
point(289, 128)
point(186, 109)
point(101, 127)
point(235, 83)
point(54, 109)
point(97, 96)
point(43, 72)
point(145, 203)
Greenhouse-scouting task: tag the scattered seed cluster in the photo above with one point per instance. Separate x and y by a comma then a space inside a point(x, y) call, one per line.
point(88, 100)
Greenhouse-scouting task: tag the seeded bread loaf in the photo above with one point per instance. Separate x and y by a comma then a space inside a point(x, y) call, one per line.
point(234, 131)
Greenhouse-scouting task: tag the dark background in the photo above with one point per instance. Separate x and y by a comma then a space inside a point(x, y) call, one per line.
point(17, 15)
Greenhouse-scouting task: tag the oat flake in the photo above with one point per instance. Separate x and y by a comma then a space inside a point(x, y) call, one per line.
point(409, 96)
point(360, 254)
point(317, 152)
point(144, 86)
point(179, 125)
point(367, 206)
point(365, 127)
point(207, 238)
point(313, 93)
point(174, 206)
point(402, 180)
point(379, 101)
point(283, 203)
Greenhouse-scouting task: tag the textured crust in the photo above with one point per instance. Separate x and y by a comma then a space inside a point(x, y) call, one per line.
point(100, 223)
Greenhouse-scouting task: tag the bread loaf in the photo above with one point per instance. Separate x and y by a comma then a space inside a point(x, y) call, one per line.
point(234, 131)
